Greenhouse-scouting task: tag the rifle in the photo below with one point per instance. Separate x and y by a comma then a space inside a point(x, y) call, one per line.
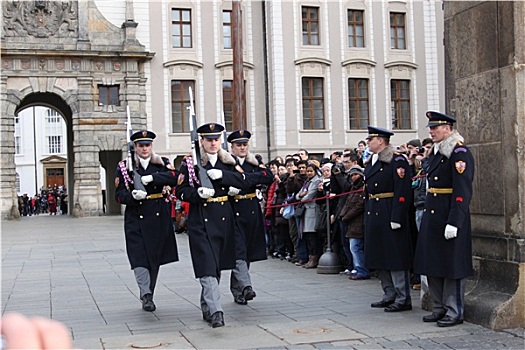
point(204, 179)
point(224, 140)
point(137, 184)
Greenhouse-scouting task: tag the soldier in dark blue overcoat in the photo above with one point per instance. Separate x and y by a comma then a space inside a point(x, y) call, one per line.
point(444, 247)
point(250, 240)
point(211, 225)
point(150, 240)
point(388, 247)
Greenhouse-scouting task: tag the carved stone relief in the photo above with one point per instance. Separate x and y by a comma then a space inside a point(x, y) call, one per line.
point(40, 19)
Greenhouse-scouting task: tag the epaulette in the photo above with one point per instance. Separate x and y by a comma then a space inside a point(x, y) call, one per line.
point(399, 156)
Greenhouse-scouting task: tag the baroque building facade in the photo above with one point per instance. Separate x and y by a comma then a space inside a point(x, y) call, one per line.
point(316, 74)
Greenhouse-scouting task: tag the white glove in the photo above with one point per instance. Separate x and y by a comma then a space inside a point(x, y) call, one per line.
point(395, 225)
point(215, 174)
point(233, 191)
point(146, 179)
point(205, 192)
point(451, 231)
point(139, 194)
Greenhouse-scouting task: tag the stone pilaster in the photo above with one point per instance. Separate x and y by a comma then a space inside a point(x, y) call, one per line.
point(485, 79)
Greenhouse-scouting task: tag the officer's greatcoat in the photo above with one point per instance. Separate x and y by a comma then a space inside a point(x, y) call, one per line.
point(452, 169)
point(150, 240)
point(250, 235)
point(210, 223)
point(389, 177)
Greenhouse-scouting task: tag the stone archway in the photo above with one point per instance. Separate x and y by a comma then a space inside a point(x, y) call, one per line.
point(68, 69)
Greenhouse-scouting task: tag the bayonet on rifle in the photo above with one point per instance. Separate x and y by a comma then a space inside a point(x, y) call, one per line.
point(224, 138)
point(132, 171)
point(204, 179)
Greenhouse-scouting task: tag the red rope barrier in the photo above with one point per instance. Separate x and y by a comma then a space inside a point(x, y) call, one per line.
point(313, 200)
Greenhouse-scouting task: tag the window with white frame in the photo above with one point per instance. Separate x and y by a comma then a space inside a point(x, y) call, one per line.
point(310, 23)
point(181, 28)
point(397, 31)
point(53, 129)
point(358, 103)
point(400, 104)
point(227, 29)
point(313, 103)
point(180, 101)
point(356, 28)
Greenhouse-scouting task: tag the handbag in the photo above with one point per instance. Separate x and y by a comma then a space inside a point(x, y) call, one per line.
point(288, 212)
point(321, 215)
point(299, 210)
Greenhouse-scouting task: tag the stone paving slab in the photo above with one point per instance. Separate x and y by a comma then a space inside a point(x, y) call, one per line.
point(76, 271)
point(313, 331)
point(247, 337)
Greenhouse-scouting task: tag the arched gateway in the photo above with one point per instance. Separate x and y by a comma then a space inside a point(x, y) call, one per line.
point(66, 55)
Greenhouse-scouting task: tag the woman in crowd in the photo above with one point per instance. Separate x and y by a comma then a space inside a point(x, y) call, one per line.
point(308, 219)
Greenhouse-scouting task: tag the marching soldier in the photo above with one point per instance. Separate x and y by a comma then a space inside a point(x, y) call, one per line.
point(250, 240)
point(444, 247)
point(388, 247)
point(211, 224)
point(150, 240)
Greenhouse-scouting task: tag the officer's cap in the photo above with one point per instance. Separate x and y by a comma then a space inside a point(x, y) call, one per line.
point(144, 137)
point(374, 131)
point(210, 130)
point(239, 136)
point(436, 118)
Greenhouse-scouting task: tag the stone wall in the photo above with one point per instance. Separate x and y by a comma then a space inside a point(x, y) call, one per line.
point(485, 89)
point(50, 58)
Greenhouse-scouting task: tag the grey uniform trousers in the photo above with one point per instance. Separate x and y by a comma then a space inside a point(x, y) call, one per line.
point(240, 278)
point(448, 295)
point(396, 286)
point(146, 279)
point(210, 294)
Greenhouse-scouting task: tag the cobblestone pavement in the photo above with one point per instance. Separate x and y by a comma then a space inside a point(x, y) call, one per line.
point(76, 271)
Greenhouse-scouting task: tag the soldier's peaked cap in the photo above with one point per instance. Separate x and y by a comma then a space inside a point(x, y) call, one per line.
point(145, 137)
point(210, 130)
point(374, 131)
point(239, 136)
point(436, 118)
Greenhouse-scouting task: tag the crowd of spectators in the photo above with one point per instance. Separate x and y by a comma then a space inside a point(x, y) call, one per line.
point(50, 200)
point(306, 183)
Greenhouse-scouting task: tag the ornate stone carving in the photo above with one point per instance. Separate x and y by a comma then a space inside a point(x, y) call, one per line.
point(7, 63)
point(59, 64)
point(40, 18)
point(75, 64)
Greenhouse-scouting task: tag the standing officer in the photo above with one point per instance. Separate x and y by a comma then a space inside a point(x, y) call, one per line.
point(388, 247)
point(444, 247)
point(211, 224)
point(150, 240)
point(250, 240)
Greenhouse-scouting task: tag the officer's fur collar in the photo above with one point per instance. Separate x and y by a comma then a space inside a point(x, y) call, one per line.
point(250, 158)
point(386, 155)
point(223, 156)
point(446, 147)
point(155, 159)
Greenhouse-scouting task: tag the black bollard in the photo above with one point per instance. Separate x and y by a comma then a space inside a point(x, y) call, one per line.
point(329, 261)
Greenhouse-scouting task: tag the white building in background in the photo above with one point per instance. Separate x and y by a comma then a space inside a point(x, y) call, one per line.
point(316, 72)
point(40, 150)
